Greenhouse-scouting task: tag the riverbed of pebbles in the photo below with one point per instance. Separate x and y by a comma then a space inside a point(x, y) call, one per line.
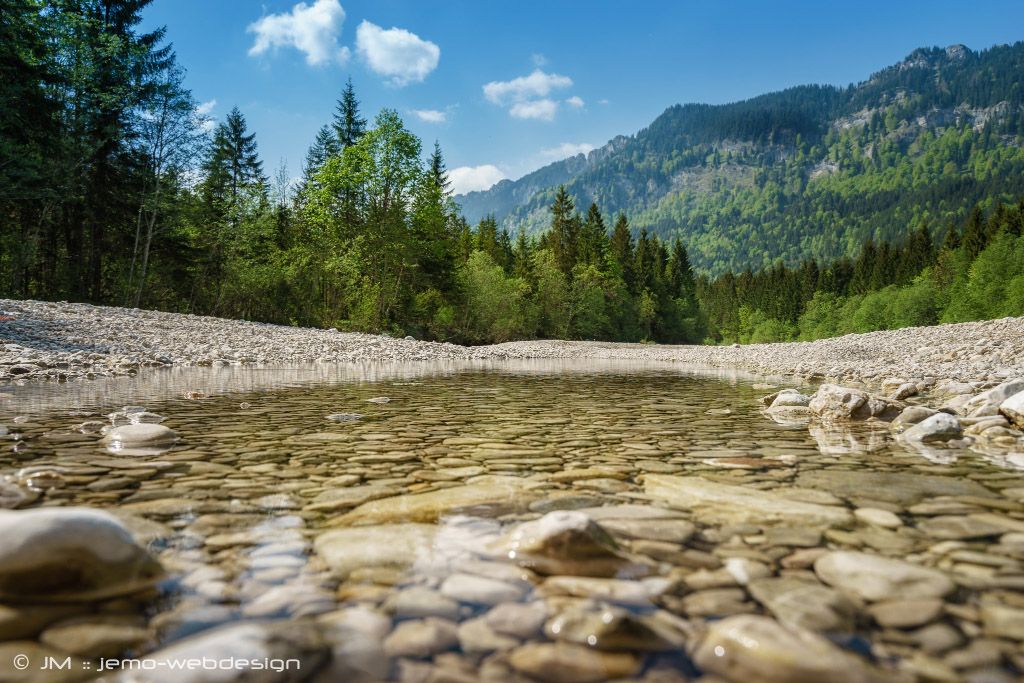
point(654, 528)
point(62, 341)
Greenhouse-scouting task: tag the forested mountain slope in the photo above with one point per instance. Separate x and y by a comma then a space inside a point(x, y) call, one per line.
point(812, 171)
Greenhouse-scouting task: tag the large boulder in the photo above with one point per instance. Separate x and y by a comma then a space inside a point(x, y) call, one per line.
point(833, 402)
point(70, 555)
point(995, 395)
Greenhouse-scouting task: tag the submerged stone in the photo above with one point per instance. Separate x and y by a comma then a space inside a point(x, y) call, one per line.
point(393, 545)
point(564, 542)
point(874, 578)
point(728, 504)
point(746, 648)
point(69, 555)
point(492, 495)
point(142, 435)
point(571, 663)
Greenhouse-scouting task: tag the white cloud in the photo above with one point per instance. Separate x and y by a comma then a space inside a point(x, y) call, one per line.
point(538, 84)
point(575, 101)
point(538, 59)
point(430, 115)
point(401, 56)
point(204, 108)
point(541, 110)
point(203, 111)
point(310, 29)
point(472, 178)
point(527, 96)
point(565, 150)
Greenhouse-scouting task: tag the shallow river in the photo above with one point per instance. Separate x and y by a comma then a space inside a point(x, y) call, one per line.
point(398, 540)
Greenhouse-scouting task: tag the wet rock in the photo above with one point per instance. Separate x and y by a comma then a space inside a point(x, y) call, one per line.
point(27, 621)
point(252, 641)
point(356, 636)
point(1013, 408)
point(612, 628)
point(959, 527)
point(1003, 621)
point(570, 663)
point(874, 578)
point(938, 427)
point(910, 416)
point(343, 499)
point(519, 620)
point(142, 435)
point(833, 402)
point(564, 542)
point(906, 613)
point(481, 590)
point(95, 637)
point(728, 504)
point(12, 495)
point(667, 530)
point(790, 399)
point(903, 488)
point(69, 555)
point(754, 648)
point(289, 600)
point(804, 604)
point(616, 591)
point(417, 602)
point(491, 494)
point(477, 637)
point(717, 602)
point(421, 638)
point(392, 545)
point(877, 517)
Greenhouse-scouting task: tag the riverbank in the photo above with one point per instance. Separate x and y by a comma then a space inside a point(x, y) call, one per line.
point(61, 341)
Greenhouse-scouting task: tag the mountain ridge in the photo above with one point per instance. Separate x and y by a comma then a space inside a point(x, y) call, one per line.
point(696, 163)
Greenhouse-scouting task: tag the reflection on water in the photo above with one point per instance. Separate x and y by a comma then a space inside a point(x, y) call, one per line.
point(402, 531)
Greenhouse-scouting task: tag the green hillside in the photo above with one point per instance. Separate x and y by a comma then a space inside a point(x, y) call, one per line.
point(813, 171)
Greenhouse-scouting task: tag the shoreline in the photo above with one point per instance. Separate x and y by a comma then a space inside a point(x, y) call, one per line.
point(48, 341)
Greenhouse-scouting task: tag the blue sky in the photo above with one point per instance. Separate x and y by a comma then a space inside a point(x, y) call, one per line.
point(508, 87)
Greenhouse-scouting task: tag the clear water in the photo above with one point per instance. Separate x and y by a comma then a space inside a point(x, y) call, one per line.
point(234, 508)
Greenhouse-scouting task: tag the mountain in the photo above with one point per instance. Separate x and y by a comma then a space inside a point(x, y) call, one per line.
point(811, 171)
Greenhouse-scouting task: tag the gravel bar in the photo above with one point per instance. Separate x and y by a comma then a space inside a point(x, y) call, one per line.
point(66, 341)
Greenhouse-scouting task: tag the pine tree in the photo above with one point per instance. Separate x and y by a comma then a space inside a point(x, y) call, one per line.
point(593, 237)
point(621, 248)
point(234, 164)
point(975, 232)
point(348, 125)
point(323, 148)
point(563, 237)
point(438, 171)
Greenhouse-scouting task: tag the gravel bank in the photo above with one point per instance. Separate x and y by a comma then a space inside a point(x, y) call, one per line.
point(62, 341)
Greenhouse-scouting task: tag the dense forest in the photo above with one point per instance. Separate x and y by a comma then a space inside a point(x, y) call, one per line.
point(114, 189)
point(808, 172)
